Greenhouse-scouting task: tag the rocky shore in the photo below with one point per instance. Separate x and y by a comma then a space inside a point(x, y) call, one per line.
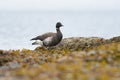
point(75, 58)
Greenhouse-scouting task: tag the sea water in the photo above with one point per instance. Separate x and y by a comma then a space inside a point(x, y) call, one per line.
point(18, 27)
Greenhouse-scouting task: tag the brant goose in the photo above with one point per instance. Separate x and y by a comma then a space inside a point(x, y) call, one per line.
point(49, 39)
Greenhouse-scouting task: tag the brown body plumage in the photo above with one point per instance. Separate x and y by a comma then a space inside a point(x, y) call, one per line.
point(50, 38)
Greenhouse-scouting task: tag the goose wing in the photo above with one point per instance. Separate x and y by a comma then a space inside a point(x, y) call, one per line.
point(44, 36)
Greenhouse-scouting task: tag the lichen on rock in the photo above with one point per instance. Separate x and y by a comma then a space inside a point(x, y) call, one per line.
point(75, 58)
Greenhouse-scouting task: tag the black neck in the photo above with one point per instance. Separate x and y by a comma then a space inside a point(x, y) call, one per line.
point(58, 29)
point(59, 34)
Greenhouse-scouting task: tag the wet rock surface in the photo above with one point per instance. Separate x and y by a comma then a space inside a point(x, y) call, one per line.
point(75, 58)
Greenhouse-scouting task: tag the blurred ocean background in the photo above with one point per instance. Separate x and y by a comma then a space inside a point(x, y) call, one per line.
point(18, 27)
